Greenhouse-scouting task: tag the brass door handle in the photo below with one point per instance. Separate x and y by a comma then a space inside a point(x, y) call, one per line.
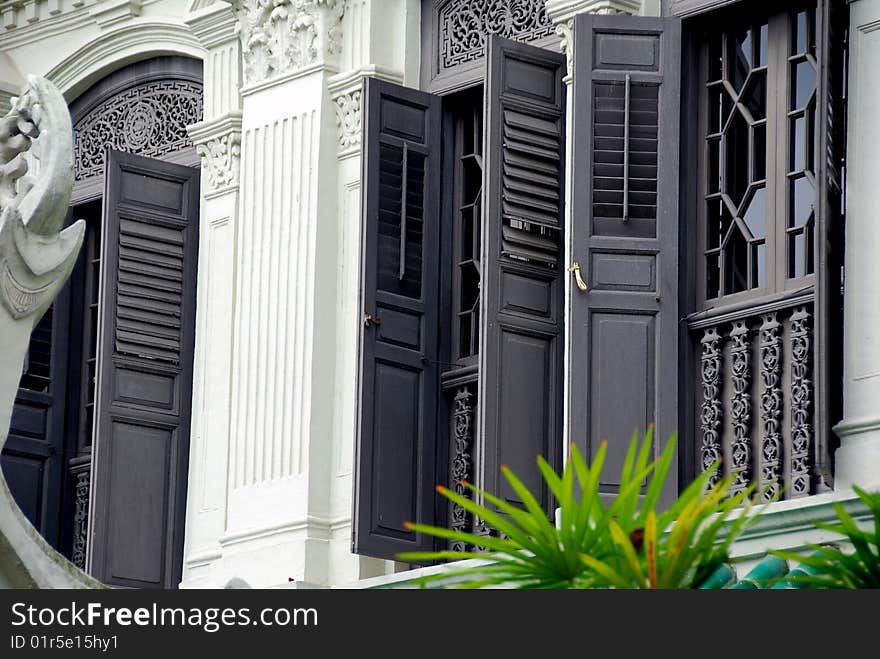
point(575, 269)
point(370, 319)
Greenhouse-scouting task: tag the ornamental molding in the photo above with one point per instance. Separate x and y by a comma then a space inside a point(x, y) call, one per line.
point(220, 160)
point(560, 11)
point(116, 11)
point(213, 23)
point(31, 21)
point(348, 118)
point(133, 40)
point(279, 36)
point(218, 142)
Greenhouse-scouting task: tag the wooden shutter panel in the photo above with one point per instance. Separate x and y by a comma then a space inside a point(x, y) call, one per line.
point(832, 23)
point(146, 339)
point(522, 343)
point(624, 328)
point(397, 443)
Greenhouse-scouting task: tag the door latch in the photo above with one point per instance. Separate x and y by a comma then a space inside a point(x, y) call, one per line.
point(575, 269)
point(370, 320)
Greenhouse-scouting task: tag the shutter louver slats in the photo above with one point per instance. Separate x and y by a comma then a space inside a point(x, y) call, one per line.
point(609, 129)
point(520, 395)
point(150, 288)
point(530, 194)
point(391, 194)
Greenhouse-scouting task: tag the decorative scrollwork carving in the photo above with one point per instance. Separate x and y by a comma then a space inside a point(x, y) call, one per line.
point(465, 25)
point(460, 462)
point(771, 406)
point(348, 118)
point(149, 119)
point(220, 157)
point(801, 401)
point(740, 407)
point(283, 35)
point(710, 409)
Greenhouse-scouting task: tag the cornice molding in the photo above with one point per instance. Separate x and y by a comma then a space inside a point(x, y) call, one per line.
point(213, 24)
point(129, 42)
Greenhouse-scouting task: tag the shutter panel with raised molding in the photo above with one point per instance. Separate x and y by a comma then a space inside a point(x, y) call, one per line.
point(522, 342)
point(399, 395)
point(625, 237)
point(147, 334)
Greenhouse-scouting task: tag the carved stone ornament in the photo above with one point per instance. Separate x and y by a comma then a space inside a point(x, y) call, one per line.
point(348, 118)
point(149, 119)
point(465, 25)
point(220, 159)
point(278, 36)
point(36, 258)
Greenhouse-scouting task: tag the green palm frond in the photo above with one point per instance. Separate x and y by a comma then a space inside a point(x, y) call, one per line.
point(834, 567)
point(624, 543)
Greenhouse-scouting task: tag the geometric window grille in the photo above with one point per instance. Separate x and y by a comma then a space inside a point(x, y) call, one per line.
point(801, 166)
point(736, 144)
point(760, 197)
point(148, 119)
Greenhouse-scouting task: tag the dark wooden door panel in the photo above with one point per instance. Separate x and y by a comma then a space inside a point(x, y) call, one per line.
point(521, 347)
point(150, 229)
point(625, 332)
point(399, 387)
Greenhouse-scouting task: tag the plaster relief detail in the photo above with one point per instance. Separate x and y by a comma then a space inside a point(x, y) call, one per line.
point(220, 159)
point(278, 36)
point(348, 118)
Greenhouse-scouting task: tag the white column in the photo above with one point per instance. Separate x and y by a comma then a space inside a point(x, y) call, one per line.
point(858, 458)
point(217, 139)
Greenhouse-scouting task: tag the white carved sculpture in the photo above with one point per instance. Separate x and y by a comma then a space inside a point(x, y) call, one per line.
point(36, 258)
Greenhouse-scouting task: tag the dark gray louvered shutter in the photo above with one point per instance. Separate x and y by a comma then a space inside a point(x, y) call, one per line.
point(625, 150)
point(522, 343)
point(397, 443)
point(832, 23)
point(150, 249)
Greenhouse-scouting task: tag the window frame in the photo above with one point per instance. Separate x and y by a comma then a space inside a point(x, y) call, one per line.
point(778, 140)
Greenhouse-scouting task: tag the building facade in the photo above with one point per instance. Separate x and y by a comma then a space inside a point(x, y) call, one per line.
point(339, 251)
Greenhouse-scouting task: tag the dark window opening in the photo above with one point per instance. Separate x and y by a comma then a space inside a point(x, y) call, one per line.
point(466, 198)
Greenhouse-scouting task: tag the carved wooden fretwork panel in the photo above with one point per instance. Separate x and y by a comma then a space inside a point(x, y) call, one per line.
point(149, 119)
point(757, 401)
point(464, 25)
